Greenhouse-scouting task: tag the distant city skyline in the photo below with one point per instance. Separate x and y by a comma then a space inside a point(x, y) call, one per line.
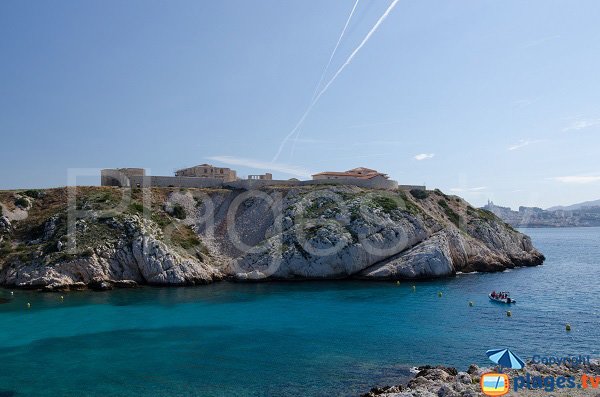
point(485, 100)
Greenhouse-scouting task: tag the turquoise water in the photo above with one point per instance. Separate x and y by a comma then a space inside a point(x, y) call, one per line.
point(295, 339)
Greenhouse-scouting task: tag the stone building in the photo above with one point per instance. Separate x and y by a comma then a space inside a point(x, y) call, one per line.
point(208, 171)
point(207, 176)
point(355, 173)
point(265, 177)
point(120, 176)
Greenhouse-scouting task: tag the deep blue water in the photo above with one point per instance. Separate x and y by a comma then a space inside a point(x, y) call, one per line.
point(296, 339)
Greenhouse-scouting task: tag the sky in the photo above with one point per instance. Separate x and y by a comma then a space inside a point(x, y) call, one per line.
point(485, 99)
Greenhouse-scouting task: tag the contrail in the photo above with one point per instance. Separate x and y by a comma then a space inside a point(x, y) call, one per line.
point(348, 61)
point(327, 67)
point(335, 49)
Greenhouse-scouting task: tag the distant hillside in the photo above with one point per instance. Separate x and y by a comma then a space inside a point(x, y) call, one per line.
point(585, 204)
point(580, 215)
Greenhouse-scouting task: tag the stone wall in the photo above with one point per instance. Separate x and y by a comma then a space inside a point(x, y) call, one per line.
point(119, 176)
point(412, 187)
point(248, 184)
point(387, 184)
point(175, 181)
point(374, 183)
point(208, 171)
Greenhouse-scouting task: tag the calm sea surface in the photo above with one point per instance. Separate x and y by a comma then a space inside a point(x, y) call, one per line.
point(296, 339)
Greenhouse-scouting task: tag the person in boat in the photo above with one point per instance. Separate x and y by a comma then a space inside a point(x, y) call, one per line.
point(493, 294)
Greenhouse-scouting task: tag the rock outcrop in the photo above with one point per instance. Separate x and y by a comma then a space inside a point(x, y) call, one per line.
point(448, 382)
point(139, 257)
point(374, 235)
point(195, 236)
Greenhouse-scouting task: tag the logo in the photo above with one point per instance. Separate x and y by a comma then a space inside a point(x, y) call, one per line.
point(493, 384)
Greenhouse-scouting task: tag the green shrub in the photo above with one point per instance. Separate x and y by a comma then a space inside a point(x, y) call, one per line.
point(33, 193)
point(5, 248)
point(136, 207)
point(187, 238)
point(419, 194)
point(388, 204)
point(179, 212)
point(453, 216)
point(161, 219)
point(22, 202)
point(104, 197)
point(490, 216)
point(408, 205)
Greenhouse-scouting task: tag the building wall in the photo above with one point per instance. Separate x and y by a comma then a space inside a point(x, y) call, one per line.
point(373, 183)
point(175, 181)
point(268, 176)
point(412, 187)
point(319, 177)
point(248, 184)
point(378, 182)
point(119, 176)
point(208, 171)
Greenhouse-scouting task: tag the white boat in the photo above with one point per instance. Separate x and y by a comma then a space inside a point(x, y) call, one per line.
point(502, 297)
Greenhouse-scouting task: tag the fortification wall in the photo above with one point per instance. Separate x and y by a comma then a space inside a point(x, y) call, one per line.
point(175, 181)
point(374, 183)
point(412, 187)
point(115, 178)
point(119, 176)
point(366, 183)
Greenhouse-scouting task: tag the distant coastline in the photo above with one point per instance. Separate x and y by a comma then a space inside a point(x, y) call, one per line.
point(534, 217)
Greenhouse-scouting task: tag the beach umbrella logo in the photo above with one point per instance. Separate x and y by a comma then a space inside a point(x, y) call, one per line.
point(493, 384)
point(505, 358)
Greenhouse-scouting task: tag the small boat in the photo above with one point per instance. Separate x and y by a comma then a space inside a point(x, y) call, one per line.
point(502, 297)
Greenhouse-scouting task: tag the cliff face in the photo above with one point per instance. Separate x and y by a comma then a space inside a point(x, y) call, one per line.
point(194, 236)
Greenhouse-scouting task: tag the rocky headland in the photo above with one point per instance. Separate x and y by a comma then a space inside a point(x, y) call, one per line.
point(113, 237)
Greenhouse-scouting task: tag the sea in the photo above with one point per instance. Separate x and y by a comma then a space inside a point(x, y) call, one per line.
point(328, 338)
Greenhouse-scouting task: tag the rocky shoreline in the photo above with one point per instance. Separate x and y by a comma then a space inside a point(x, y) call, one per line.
point(443, 381)
point(179, 237)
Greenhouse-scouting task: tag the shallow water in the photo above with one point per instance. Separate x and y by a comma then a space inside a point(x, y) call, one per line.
point(301, 338)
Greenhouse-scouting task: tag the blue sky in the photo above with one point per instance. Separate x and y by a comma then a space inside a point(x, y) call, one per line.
point(485, 99)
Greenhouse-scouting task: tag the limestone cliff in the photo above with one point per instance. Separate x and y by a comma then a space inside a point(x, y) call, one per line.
point(116, 237)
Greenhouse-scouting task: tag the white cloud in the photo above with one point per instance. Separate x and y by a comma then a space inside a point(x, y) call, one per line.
point(264, 165)
point(522, 143)
point(580, 179)
point(424, 156)
point(524, 102)
point(539, 41)
point(581, 124)
point(468, 189)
